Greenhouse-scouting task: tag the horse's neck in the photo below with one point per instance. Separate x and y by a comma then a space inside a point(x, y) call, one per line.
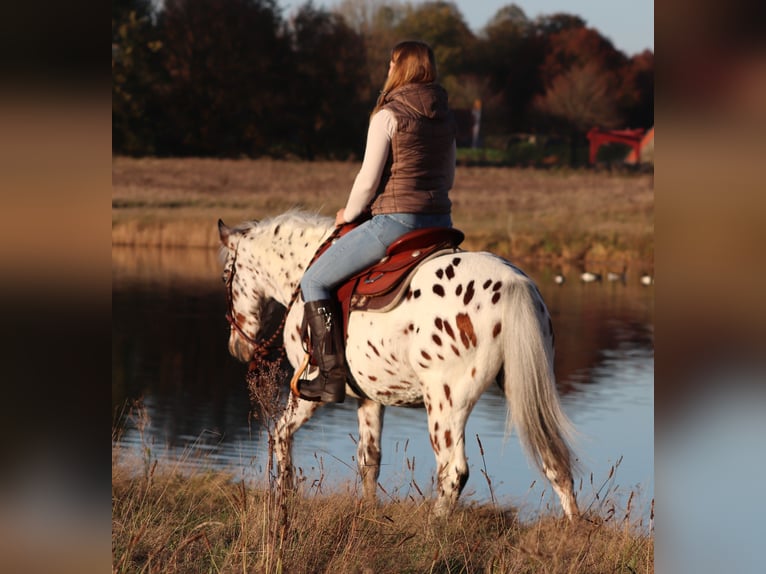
point(286, 257)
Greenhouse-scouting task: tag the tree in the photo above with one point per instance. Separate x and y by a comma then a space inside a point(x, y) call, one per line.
point(135, 70)
point(584, 79)
point(443, 27)
point(360, 15)
point(328, 112)
point(225, 62)
point(509, 55)
point(639, 74)
point(576, 47)
point(581, 97)
point(547, 25)
point(510, 17)
point(375, 22)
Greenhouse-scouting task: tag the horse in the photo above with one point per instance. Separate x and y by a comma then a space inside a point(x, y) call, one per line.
point(469, 319)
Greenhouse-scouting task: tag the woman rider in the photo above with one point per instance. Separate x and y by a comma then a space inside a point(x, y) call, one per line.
point(404, 183)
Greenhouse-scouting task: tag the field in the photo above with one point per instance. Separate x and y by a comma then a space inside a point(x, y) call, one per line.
point(581, 217)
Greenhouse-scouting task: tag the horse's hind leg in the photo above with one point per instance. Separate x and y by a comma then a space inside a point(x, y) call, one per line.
point(370, 416)
point(296, 413)
point(447, 431)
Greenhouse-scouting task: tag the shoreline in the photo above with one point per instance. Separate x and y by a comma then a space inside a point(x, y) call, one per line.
point(559, 217)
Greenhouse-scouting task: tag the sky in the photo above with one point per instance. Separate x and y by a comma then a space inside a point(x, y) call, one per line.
point(629, 24)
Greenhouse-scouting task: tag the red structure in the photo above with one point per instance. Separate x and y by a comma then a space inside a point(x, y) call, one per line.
point(599, 137)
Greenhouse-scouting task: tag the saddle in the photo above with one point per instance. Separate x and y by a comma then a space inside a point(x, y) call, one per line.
point(381, 287)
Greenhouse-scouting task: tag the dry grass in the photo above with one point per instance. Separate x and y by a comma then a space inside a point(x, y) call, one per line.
point(557, 215)
point(171, 523)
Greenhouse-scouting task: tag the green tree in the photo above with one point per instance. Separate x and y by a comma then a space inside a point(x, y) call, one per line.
point(135, 70)
point(375, 21)
point(328, 112)
point(225, 61)
point(509, 54)
point(443, 27)
point(549, 24)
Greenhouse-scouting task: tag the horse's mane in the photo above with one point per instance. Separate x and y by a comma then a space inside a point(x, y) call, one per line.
point(292, 219)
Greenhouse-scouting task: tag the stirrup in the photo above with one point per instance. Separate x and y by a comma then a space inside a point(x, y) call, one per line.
point(324, 396)
point(298, 372)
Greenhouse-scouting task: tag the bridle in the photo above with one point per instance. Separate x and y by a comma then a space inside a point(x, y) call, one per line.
point(262, 349)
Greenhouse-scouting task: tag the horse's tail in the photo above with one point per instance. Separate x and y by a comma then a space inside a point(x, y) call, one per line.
point(535, 412)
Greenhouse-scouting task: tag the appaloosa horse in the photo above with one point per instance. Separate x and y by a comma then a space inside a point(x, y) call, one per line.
point(469, 319)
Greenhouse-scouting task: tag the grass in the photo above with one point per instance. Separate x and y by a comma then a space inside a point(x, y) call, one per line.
point(171, 522)
point(560, 215)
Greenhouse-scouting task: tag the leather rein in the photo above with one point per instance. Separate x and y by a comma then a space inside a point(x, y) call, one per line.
point(262, 349)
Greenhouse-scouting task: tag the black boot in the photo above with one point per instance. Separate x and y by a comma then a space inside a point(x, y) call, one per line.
point(327, 351)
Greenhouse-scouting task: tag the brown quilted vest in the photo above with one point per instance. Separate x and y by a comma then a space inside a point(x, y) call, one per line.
point(414, 179)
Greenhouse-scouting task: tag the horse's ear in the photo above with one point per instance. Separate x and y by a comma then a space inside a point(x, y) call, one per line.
point(223, 232)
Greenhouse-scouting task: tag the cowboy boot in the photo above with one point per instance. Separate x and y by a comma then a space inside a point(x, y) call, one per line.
point(327, 351)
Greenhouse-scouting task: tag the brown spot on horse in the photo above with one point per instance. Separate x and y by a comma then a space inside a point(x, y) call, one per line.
point(468, 293)
point(465, 327)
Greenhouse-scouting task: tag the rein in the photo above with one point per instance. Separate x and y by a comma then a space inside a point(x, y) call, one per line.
point(262, 349)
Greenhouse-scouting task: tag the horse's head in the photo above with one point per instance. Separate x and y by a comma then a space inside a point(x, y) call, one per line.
point(263, 263)
point(245, 295)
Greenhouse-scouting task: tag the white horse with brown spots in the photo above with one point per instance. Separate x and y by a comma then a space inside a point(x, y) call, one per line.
point(470, 319)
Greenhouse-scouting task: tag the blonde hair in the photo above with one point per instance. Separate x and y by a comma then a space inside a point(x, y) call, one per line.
point(414, 63)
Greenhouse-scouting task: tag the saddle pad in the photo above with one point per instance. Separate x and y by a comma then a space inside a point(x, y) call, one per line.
point(382, 301)
point(386, 274)
point(426, 237)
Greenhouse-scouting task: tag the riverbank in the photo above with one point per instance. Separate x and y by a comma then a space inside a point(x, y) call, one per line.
point(170, 522)
point(561, 216)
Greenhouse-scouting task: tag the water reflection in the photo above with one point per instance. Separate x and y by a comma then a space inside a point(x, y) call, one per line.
point(169, 348)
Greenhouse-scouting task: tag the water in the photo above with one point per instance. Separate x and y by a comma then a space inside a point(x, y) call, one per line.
point(169, 341)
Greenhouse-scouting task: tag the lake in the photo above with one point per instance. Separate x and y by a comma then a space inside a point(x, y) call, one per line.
point(169, 349)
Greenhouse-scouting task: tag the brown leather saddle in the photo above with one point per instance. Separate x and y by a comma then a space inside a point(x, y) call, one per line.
point(381, 287)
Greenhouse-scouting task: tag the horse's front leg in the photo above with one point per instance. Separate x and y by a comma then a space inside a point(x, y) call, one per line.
point(370, 416)
point(296, 413)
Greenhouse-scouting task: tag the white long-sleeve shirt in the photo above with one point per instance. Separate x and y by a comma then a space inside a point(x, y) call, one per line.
point(379, 135)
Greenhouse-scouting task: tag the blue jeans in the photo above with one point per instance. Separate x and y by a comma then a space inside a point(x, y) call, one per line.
point(360, 248)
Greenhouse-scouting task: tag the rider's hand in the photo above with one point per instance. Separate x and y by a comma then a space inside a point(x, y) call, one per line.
point(339, 219)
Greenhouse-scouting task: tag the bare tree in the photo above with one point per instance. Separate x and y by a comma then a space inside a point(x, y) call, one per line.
point(582, 97)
